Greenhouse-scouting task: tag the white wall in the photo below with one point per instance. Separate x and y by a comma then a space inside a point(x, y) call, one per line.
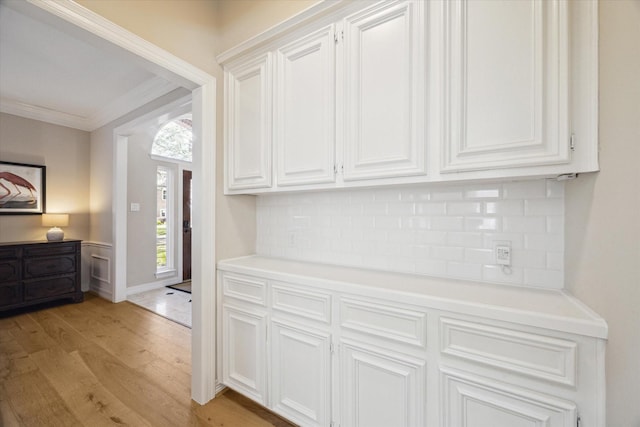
point(65, 153)
point(603, 212)
point(141, 225)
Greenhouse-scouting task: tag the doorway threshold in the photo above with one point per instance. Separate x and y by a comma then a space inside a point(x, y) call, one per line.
point(168, 303)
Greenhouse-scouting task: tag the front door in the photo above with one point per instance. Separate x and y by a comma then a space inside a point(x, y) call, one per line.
point(186, 225)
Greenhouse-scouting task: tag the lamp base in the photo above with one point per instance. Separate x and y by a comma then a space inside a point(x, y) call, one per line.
point(55, 234)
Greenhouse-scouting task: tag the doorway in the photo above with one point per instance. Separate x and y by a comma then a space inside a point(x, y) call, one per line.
point(159, 185)
point(203, 89)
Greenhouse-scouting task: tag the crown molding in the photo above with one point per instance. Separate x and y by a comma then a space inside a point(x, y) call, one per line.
point(44, 114)
point(132, 99)
point(135, 98)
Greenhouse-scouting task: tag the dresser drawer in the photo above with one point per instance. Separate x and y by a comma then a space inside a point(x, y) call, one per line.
point(49, 266)
point(49, 287)
point(9, 271)
point(10, 293)
point(47, 249)
point(10, 252)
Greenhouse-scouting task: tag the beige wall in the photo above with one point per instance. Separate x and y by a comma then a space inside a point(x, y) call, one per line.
point(603, 212)
point(189, 30)
point(65, 153)
point(186, 28)
point(238, 20)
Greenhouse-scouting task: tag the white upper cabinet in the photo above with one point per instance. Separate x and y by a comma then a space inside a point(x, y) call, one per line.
point(384, 76)
point(248, 123)
point(304, 117)
point(411, 91)
point(506, 77)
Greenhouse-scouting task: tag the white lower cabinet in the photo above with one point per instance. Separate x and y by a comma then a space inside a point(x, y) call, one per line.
point(321, 350)
point(300, 373)
point(380, 387)
point(244, 345)
point(471, 401)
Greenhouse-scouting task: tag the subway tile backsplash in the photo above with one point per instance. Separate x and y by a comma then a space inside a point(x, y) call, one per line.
point(444, 230)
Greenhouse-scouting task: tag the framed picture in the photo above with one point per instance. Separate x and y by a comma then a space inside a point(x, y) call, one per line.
point(22, 189)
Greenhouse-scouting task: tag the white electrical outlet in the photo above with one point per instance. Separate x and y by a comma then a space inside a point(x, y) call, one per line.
point(503, 255)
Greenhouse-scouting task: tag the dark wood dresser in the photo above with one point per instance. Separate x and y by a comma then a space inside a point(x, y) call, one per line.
point(36, 272)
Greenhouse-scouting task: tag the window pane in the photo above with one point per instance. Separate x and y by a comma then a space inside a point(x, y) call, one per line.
point(161, 216)
point(174, 140)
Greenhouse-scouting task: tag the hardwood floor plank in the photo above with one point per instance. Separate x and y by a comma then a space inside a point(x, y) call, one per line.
point(5, 335)
point(82, 392)
point(134, 388)
point(109, 333)
point(76, 364)
point(14, 360)
point(147, 324)
point(30, 334)
point(35, 403)
point(173, 381)
point(232, 409)
point(7, 323)
point(7, 417)
point(174, 347)
point(63, 334)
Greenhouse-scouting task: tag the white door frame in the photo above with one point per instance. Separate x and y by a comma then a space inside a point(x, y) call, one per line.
point(203, 87)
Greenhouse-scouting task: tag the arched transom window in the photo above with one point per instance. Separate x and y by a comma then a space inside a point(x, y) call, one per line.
point(175, 140)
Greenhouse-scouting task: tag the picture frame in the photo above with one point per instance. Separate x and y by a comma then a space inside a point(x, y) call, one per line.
point(22, 189)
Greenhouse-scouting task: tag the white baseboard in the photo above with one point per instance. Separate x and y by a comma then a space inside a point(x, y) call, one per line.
point(102, 293)
point(220, 388)
point(132, 290)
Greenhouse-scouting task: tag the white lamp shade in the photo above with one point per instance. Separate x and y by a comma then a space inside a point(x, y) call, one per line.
point(55, 220)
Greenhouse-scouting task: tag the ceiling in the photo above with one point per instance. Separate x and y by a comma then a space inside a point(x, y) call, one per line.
point(52, 72)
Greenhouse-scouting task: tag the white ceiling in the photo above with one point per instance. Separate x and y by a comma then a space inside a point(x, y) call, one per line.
point(50, 72)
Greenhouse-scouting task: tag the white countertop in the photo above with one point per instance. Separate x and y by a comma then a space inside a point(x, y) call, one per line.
point(547, 308)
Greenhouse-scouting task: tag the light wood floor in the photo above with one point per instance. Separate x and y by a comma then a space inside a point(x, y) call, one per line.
point(103, 364)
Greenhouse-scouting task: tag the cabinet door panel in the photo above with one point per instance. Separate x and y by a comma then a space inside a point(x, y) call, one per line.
point(507, 84)
point(305, 110)
point(471, 401)
point(244, 356)
point(301, 372)
point(381, 388)
point(248, 124)
point(384, 92)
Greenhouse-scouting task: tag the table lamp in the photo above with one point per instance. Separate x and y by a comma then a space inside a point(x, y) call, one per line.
point(55, 221)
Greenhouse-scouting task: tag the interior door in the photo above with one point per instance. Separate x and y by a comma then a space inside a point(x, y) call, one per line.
point(186, 225)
